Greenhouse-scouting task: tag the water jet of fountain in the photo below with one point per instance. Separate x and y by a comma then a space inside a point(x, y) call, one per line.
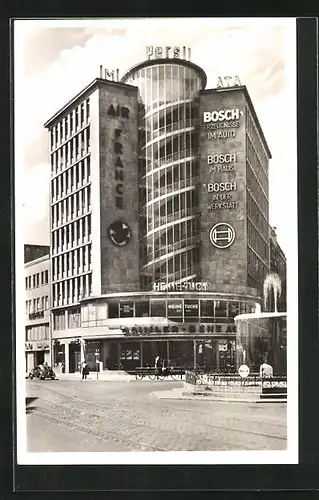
point(272, 281)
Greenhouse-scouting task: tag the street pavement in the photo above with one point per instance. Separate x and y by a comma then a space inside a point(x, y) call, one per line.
point(76, 415)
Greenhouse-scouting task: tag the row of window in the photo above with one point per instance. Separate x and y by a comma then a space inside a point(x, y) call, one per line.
point(256, 165)
point(71, 151)
point(165, 83)
point(175, 309)
point(73, 206)
point(71, 179)
point(63, 322)
point(36, 280)
point(256, 140)
point(36, 332)
point(164, 148)
point(256, 269)
point(71, 235)
point(71, 263)
point(180, 266)
point(255, 240)
point(173, 238)
point(72, 290)
point(167, 118)
point(172, 208)
point(38, 304)
point(171, 178)
point(257, 217)
point(254, 186)
point(76, 119)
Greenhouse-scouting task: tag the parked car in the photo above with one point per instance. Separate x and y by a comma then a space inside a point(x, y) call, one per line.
point(42, 372)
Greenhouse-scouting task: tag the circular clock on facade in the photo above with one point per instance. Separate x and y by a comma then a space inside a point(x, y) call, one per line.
point(119, 233)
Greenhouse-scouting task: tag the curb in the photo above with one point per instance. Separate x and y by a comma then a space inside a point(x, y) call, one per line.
point(199, 398)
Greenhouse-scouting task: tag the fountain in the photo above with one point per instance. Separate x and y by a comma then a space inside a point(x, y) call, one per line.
point(261, 336)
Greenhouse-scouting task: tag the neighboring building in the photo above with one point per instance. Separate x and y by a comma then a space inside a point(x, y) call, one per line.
point(33, 252)
point(278, 265)
point(37, 308)
point(159, 218)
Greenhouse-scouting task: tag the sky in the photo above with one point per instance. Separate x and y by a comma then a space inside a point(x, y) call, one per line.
point(54, 60)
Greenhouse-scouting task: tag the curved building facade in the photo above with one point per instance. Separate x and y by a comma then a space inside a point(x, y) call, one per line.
point(168, 94)
point(172, 252)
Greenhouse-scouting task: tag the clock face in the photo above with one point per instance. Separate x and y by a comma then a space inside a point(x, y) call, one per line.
point(119, 233)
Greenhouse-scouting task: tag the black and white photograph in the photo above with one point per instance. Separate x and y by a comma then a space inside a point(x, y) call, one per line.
point(156, 241)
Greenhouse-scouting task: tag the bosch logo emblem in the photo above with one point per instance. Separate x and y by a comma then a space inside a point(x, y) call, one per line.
point(119, 233)
point(222, 235)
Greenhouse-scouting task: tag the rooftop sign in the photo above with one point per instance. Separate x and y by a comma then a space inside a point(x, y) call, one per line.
point(228, 81)
point(167, 52)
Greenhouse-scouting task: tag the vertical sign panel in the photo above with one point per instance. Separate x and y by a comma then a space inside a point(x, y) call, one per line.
point(223, 188)
point(119, 189)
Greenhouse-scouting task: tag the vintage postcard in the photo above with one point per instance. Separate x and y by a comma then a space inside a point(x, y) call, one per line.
point(156, 241)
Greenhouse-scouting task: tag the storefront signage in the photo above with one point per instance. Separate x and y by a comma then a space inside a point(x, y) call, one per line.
point(178, 329)
point(219, 116)
point(222, 134)
point(167, 52)
point(228, 81)
point(191, 308)
point(180, 287)
point(213, 187)
point(221, 159)
point(222, 235)
point(36, 315)
point(28, 347)
point(42, 345)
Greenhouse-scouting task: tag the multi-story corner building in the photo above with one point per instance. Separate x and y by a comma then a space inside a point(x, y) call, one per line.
point(159, 218)
point(37, 309)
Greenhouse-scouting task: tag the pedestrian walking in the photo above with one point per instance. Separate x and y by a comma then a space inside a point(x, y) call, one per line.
point(157, 362)
point(85, 370)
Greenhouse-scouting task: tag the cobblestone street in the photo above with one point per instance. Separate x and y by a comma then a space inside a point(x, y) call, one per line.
point(125, 416)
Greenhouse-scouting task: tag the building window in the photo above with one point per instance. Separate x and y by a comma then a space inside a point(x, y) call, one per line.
point(142, 309)
point(59, 320)
point(126, 309)
point(87, 109)
point(26, 283)
point(113, 310)
point(158, 308)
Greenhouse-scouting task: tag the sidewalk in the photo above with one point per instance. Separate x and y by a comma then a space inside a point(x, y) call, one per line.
point(181, 394)
point(108, 376)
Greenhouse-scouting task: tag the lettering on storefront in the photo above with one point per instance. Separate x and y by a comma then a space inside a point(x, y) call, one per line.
point(192, 329)
point(36, 315)
point(222, 168)
point(168, 52)
point(28, 347)
point(228, 81)
point(180, 287)
point(42, 345)
point(221, 115)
